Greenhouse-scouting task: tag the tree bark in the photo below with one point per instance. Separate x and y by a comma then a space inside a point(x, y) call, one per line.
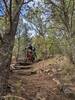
point(5, 56)
point(18, 52)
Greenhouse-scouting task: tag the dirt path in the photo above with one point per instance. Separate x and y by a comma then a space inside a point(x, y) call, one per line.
point(37, 82)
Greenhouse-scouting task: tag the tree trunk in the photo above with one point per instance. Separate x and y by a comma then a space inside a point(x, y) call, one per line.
point(5, 60)
point(5, 56)
point(18, 52)
point(71, 50)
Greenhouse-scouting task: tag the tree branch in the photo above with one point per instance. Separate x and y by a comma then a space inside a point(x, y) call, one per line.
point(10, 12)
point(6, 6)
point(51, 2)
point(18, 11)
point(68, 5)
point(72, 14)
point(27, 2)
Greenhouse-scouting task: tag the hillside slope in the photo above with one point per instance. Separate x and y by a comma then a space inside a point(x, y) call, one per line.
point(51, 79)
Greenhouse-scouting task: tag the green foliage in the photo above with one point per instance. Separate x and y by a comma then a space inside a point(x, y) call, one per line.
point(20, 43)
point(58, 31)
point(39, 43)
point(47, 46)
point(2, 23)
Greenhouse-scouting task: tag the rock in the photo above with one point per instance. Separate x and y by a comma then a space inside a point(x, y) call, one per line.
point(40, 97)
point(47, 71)
point(67, 92)
point(59, 69)
point(54, 70)
point(12, 66)
point(56, 81)
point(33, 72)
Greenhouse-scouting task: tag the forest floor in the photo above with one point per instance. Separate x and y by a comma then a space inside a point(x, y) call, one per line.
point(50, 79)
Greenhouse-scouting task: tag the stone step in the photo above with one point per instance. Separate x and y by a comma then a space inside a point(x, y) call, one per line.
point(23, 67)
point(25, 72)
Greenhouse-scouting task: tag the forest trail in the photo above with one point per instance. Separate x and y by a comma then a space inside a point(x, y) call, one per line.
point(41, 80)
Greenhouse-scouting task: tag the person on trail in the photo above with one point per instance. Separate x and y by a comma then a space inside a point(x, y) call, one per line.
point(30, 47)
point(31, 53)
point(34, 53)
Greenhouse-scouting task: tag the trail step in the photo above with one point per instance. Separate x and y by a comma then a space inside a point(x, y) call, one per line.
point(23, 67)
point(25, 72)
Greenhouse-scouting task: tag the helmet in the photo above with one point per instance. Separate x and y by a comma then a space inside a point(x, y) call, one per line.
point(29, 44)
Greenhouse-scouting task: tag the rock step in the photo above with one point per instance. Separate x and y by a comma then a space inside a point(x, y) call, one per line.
point(23, 67)
point(25, 72)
